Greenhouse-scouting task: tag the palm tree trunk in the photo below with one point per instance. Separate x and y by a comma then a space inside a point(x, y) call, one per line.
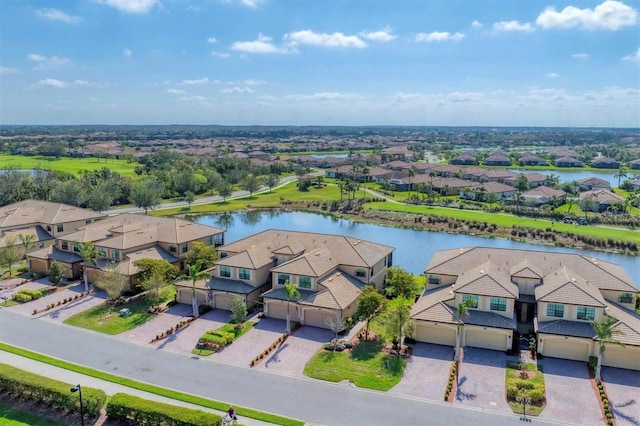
point(288, 329)
point(86, 282)
point(456, 356)
point(194, 302)
point(599, 366)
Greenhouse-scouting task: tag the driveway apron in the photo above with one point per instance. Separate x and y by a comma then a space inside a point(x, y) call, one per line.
point(297, 350)
point(570, 397)
point(162, 322)
point(481, 380)
point(255, 341)
point(623, 390)
point(427, 372)
point(186, 339)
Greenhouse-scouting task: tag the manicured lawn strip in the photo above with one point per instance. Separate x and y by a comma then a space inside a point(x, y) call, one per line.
point(10, 416)
point(178, 396)
point(366, 366)
point(507, 221)
point(68, 164)
point(105, 319)
point(512, 378)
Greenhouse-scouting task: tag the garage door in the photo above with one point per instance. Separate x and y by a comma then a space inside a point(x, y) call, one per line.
point(317, 318)
point(627, 357)
point(485, 339)
point(184, 296)
point(222, 301)
point(567, 349)
point(279, 310)
point(438, 334)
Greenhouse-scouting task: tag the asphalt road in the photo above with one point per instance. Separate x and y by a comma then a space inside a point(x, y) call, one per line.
point(313, 401)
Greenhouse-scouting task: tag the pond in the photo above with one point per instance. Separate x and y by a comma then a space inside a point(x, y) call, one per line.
point(414, 249)
point(570, 176)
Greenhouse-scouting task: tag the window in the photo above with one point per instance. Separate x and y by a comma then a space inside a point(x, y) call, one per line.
point(390, 260)
point(60, 228)
point(116, 254)
point(101, 252)
point(225, 271)
point(555, 310)
point(283, 278)
point(626, 298)
point(219, 239)
point(184, 248)
point(76, 248)
point(65, 245)
point(172, 249)
point(49, 228)
point(361, 272)
point(304, 282)
point(87, 222)
point(244, 274)
point(498, 304)
point(474, 300)
point(223, 254)
point(434, 279)
point(586, 313)
point(209, 240)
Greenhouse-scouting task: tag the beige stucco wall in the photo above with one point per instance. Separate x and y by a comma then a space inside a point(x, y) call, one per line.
point(614, 296)
point(484, 304)
point(258, 276)
point(526, 285)
point(570, 313)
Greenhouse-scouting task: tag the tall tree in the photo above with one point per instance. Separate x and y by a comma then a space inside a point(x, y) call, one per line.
point(224, 189)
point(400, 283)
point(251, 183)
point(146, 194)
point(522, 183)
point(622, 174)
point(195, 273)
point(203, 252)
point(462, 310)
point(398, 321)
point(88, 253)
point(28, 241)
point(272, 180)
point(112, 282)
point(336, 323)
point(10, 252)
point(370, 303)
point(292, 293)
point(153, 283)
point(605, 335)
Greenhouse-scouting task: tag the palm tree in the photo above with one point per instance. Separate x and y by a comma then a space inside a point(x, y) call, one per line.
point(365, 175)
point(411, 174)
point(88, 253)
point(552, 180)
point(604, 335)
point(622, 173)
point(292, 291)
point(27, 241)
point(462, 310)
point(194, 274)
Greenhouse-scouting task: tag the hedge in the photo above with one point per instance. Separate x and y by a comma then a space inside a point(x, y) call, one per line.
point(31, 386)
point(228, 337)
point(26, 295)
point(209, 338)
point(137, 411)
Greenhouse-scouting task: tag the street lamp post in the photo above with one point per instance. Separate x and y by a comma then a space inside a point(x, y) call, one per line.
point(78, 388)
point(524, 401)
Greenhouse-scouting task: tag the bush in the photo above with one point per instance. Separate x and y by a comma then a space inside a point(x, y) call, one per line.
point(593, 363)
point(56, 272)
point(536, 395)
point(50, 392)
point(209, 338)
point(228, 337)
point(133, 410)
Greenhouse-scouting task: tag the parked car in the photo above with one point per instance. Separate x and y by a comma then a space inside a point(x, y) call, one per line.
point(568, 219)
point(582, 221)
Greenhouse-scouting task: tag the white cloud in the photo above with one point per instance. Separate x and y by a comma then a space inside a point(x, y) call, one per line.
point(247, 3)
point(553, 75)
point(127, 53)
point(220, 54)
point(439, 36)
point(609, 15)
point(195, 100)
point(176, 91)
point(236, 90)
point(196, 82)
point(49, 63)
point(254, 82)
point(337, 39)
point(58, 84)
point(212, 40)
point(633, 57)
point(384, 35)
point(57, 15)
point(131, 6)
point(8, 70)
point(465, 96)
point(513, 26)
point(580, 56)
point(261, 45)
point(324, 96)
point(476, 24)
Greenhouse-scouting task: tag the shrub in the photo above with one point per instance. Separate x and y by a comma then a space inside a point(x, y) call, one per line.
point(593, 362)
point(512, 392)
point(210, 338)
point(21, 297)
point(133, 410)
point(56, 272)
point(536, 395)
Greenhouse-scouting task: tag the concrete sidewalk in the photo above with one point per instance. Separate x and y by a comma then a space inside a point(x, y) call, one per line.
point(109, 388)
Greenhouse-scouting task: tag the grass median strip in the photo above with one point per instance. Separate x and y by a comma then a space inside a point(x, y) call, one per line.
point(176, 395)
point(15, 417)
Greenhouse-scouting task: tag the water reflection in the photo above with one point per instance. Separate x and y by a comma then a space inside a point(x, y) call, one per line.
point(414, 249)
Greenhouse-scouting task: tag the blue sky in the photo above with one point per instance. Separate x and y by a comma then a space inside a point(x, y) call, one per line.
point(321, 62)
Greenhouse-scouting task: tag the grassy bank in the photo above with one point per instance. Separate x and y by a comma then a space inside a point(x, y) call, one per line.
point(67, 164)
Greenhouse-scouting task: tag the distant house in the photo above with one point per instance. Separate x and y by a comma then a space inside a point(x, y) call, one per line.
point(396, 153)
point(531, 159)
point(568, 162)
point(601, 199)
point(498, 158)
point(451, 186)
point(593, 183)
point(635, 164)
point(465, 159)
point(543, 195)
point(562, 151)
point(498, 175)
point(476, 192)
point(259, 154)
point(605, 163)
point(635, 185)
point(397, 165)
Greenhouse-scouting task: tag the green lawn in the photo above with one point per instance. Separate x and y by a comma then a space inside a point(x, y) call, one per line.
point(67, 164)
point(507, 220)
point(13, 417)
point(227, 328)
point(514, 380)
point(366, 366)
point(105, 319)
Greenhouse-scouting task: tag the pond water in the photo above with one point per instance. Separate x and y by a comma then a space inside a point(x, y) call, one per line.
point(414, 249)
point(570, 176)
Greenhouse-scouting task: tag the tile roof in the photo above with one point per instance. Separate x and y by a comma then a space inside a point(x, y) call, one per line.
point(565, 328)
point(432, 306)
point(51, 252)
point(565, 286)
point(232, 286)
point(37, 231)
point(337, 291)
point(602, 274)
point(280, 293)
point(316, 263)
point(525, 269)
point(490, 319)
point(31, 212)
point(628, 326)
point(253, 258)
point(487, 279)
point(602, 196)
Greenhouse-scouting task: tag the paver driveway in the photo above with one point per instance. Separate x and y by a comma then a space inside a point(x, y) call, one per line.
point(623, 390)
point(186, 339)
point(427, 372)
point(255, 341)
point(481, 380)
point(570, 397)
point(297, 350)
point(147, 331)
